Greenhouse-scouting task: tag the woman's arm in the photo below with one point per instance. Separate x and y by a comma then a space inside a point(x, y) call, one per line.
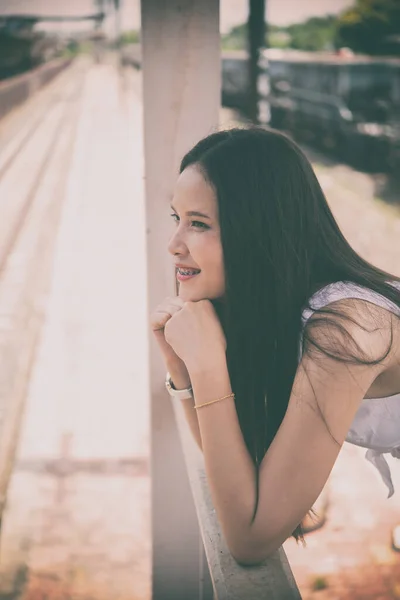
point(181, 380)
point(325, 398)
point(228, 464)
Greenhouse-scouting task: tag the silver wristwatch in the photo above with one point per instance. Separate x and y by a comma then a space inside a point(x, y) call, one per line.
point(181, 394)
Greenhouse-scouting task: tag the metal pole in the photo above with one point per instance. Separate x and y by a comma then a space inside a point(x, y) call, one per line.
point(117, 8)
point(256, 41)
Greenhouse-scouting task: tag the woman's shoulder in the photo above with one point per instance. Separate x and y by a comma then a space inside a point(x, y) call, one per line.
point(347, 290)
point(363, 330)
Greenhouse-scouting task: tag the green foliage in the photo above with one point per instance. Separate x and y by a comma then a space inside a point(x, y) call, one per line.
point(74, 48)
point(315, 34)
point(129, 37)
point(278, 37)
point(236, 39)
point(370, 27)
point(319, 583)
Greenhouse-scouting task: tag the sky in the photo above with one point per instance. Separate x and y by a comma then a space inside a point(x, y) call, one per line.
point(232, 12)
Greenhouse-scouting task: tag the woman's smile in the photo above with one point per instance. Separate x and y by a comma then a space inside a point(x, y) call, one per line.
point(183, 275)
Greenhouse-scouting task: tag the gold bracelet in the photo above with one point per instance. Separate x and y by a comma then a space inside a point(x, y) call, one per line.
point(217, 400)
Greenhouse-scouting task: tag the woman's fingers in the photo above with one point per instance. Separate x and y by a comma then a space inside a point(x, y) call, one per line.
point(164, 312)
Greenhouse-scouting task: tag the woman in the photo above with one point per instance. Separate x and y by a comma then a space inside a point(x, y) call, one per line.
point(285, 342)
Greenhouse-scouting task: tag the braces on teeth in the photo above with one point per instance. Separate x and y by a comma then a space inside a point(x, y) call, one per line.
point(187, 272)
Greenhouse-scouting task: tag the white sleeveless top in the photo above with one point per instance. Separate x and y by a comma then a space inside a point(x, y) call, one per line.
point(376, 425)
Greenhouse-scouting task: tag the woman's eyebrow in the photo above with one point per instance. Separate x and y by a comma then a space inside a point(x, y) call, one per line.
point(194, 213)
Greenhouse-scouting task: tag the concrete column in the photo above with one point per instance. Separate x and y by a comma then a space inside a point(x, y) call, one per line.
point(181, 97)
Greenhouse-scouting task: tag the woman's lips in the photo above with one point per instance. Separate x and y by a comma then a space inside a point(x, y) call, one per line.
point(181, 277)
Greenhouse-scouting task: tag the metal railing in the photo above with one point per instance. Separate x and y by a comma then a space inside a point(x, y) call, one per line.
point(225, 579)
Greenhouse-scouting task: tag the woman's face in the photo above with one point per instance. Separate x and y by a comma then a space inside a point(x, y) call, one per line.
point(196, 243)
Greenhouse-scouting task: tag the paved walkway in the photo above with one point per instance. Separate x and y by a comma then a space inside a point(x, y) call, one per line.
point(87, 416)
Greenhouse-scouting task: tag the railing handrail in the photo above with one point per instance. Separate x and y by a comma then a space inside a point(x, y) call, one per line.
point(231, 581)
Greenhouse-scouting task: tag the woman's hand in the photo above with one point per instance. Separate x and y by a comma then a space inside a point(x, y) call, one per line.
point(159, 318)
point(195, 334)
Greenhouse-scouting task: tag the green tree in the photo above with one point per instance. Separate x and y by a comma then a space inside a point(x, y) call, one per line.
point(370, 27)
point(130, 37)
point(315, 34)
point(236, 39)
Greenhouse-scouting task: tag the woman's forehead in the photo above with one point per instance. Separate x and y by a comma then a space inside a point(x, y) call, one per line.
point(192, 188)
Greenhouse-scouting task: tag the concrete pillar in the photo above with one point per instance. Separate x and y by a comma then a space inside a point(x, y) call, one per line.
point(181, 97)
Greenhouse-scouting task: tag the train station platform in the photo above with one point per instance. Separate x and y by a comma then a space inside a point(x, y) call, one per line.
point(77, 523)
point(78, 514)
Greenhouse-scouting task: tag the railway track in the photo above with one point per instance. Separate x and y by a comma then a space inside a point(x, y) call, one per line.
point(37, 139)
point(33, 175)
point(32, 519)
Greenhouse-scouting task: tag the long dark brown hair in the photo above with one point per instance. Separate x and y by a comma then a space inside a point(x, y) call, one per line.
point(281, 244)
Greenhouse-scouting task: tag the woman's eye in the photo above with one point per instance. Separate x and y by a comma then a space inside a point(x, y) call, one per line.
point(197, 224)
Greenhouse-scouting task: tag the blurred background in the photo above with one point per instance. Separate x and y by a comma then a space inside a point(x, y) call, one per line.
point(74, 381)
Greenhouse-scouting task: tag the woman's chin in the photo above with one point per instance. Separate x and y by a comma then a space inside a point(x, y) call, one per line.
point(187, 296)
point(190, 297)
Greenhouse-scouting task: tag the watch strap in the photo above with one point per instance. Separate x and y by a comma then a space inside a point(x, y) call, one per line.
point(181, 394)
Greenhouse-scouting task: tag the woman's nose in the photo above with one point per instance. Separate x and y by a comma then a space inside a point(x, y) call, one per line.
point(176, 244)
